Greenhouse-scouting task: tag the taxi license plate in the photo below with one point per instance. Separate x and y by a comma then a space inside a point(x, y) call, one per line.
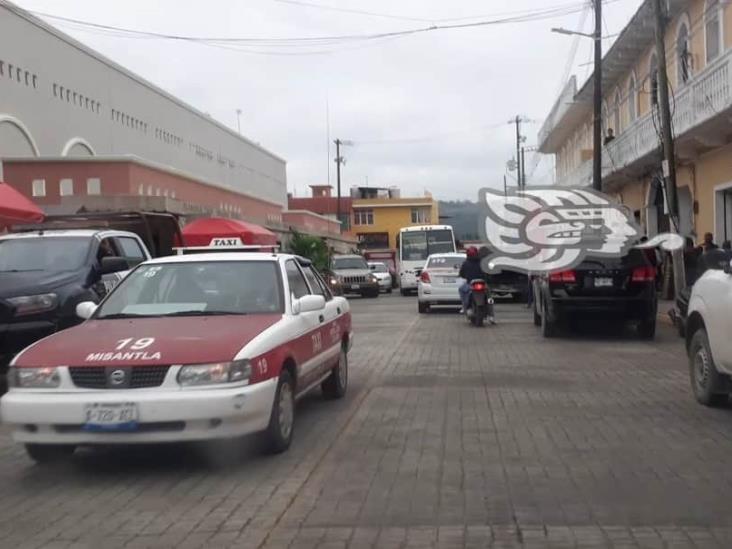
point(111, 416)
point(603, 282)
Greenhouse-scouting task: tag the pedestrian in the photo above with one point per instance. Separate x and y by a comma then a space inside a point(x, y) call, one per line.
point(708, 243)
point(610, 136)
point(691, 260)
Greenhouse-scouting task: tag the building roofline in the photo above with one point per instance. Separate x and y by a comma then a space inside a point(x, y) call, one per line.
point(132, 159)
point(40, 23)
point(312, 214)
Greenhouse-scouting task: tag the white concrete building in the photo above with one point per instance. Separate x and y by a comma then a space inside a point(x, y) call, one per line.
point(59, 98)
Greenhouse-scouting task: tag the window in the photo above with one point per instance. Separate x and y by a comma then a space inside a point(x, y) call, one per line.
point(2, 68)
point(66, 187)
point(616, 113)
point(363, 217)
point(39, 187)
point(317, 285)
point(141, 189)
point(632, 99)
point(298, 287)
point(420, 215)
point(682, 54)
point(93, 186)
point(55, 90)
point(712, 29)
point(653, 75)
point(131, 250)
point(149, 190)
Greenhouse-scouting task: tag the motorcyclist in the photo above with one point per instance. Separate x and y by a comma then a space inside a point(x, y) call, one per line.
point(471, 270)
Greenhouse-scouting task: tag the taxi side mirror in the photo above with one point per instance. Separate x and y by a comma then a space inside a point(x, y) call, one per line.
point(111, 265)
point(308, 304)
point(85, 309)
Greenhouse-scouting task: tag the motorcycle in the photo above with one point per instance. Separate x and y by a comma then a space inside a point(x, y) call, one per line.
point(481, 303)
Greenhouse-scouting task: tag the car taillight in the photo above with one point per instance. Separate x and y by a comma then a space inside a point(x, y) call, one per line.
point(478, 286)
point(425, 277)
point(563, 276)
point(644, 274)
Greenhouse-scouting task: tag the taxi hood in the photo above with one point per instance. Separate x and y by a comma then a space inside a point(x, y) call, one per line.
point(148, 341)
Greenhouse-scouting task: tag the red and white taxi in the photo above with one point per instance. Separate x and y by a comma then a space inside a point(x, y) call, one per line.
point(188, 347)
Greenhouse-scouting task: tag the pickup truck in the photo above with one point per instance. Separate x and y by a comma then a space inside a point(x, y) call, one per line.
point(708, 329)
point(44, 274)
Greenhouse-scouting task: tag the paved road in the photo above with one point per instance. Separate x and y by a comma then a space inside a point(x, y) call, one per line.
point(450, 436)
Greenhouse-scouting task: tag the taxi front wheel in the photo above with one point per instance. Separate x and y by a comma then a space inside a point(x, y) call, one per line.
point(49, 453)
point(278, 435)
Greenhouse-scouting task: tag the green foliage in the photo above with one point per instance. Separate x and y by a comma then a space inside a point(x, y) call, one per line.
point(311, 247)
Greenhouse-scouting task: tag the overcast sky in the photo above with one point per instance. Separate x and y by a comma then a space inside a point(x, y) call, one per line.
point(425, 112)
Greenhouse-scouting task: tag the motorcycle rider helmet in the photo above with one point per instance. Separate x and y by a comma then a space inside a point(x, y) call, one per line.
point(472, 251)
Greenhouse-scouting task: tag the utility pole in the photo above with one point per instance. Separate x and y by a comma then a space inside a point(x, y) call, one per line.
point(238, 120)
point(597, 82)
point(518, 150)
point(669, 161)
point(338, 179)
point(340, 160)
point(523, 168)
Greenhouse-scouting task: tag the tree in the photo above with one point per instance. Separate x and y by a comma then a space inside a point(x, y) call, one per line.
point(311, 247)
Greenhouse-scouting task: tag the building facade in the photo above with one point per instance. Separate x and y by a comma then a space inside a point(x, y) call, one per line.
point(698, 45)
point(59, 98)
point(376, 221)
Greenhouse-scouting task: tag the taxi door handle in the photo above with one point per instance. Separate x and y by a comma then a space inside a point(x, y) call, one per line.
point(321, 318)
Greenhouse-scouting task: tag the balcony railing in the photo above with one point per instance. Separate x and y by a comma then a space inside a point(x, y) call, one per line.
point(704, 97)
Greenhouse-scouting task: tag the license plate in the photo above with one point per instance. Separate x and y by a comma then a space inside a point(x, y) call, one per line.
point(111, 417)
point(603, 282)
point(355, 286)
point(449, 280)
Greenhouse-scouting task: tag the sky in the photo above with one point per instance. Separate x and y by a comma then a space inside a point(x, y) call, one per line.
point(425, 112)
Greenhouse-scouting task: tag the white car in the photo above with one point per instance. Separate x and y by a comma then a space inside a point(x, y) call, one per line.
point(188, 347)
point(382, 274)
point(708, 331)
point(439, 281)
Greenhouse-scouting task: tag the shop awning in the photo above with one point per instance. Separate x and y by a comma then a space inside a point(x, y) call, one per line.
point(15, 208)
point(222, 232)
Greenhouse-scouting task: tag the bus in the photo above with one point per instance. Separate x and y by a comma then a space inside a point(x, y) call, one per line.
point(415, 246)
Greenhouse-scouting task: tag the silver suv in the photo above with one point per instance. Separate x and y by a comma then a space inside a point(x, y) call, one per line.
point(355, 276)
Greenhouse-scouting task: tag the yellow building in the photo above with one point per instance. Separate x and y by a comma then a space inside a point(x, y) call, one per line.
point(378, 214)
point(699, 63)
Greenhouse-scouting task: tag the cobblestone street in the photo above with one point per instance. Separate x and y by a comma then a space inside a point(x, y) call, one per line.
point(450, 436)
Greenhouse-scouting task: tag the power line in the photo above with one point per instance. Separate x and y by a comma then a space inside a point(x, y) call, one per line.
point(245, 44)
point(422, 19)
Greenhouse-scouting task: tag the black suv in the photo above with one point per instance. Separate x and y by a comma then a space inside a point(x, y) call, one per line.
point(623, 288)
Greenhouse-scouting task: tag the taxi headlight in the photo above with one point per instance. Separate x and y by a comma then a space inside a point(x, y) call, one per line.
point(31, 304)
point(45, 378)
point(372, 278)
point(213, 374)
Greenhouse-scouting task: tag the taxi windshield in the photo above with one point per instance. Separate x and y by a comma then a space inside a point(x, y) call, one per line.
point(196, 289)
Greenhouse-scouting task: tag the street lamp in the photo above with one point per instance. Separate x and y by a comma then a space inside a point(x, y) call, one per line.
point(560, 30)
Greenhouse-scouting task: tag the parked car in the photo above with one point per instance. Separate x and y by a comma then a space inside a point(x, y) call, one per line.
point(382, 274)
point(708, 342)
point(355, 276)
point(188, 347)
point(45, 274)
point(623, 287)
point(439, 281)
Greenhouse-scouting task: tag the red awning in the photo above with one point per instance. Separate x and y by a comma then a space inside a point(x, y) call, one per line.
point(211, 231)
point(16, 208)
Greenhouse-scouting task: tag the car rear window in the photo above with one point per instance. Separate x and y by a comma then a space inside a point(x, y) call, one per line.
point(445, 262)
point(635, 258)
